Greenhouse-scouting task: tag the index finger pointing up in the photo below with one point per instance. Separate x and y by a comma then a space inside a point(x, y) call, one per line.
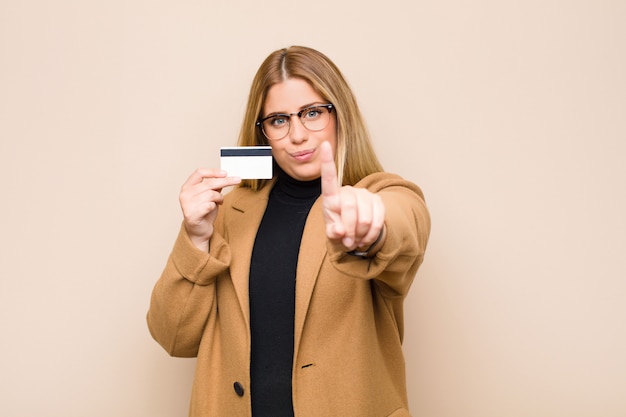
point(330, 186)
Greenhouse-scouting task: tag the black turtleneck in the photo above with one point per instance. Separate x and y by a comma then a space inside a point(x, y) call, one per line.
point(272, 293)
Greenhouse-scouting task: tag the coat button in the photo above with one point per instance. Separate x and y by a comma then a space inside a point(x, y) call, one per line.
point(238, 388)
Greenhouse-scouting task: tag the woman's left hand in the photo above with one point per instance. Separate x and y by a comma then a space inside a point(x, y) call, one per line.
point(354, 216)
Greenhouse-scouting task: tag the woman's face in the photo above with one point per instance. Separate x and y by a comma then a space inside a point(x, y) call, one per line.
point(298, 153)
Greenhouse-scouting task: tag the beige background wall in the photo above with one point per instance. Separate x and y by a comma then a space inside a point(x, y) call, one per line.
point(509, 114)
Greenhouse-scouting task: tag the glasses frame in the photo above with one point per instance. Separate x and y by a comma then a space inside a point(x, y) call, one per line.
point(327, 106)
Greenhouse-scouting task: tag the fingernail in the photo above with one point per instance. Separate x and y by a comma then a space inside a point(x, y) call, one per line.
point(347, 242)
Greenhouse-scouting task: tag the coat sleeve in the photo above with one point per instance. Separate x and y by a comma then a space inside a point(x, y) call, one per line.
point(408, 227)
point(183, 298)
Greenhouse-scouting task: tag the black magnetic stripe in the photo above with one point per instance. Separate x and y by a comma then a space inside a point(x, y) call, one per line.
point(245, 152)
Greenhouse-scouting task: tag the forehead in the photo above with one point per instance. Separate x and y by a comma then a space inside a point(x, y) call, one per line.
point(290, 95)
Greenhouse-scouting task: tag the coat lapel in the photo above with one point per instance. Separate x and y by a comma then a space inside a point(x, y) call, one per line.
point(312, 252)
point(247, 211)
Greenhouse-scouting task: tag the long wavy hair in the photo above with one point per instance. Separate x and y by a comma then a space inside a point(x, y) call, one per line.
point(354, 156)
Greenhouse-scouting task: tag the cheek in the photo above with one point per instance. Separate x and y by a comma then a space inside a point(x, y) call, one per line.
point(278, 152)
point(275, 146)
point(332, 131)
point(331, 138)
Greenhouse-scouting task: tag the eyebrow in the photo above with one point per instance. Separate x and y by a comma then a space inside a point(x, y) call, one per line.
point(313, 104)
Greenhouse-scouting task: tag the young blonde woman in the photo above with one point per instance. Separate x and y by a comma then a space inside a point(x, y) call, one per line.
point(290, 291)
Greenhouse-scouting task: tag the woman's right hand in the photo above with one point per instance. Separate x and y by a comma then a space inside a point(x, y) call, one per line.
point(199, 199)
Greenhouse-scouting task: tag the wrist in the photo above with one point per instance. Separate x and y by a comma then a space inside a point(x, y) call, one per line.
point(200, 242)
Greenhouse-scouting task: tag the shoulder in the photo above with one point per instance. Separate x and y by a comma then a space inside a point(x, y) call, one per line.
point(385, 181)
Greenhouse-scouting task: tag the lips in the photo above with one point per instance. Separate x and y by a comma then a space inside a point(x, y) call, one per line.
point(303, 156)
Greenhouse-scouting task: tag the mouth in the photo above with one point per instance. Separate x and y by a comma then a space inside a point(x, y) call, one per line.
point(303, 156)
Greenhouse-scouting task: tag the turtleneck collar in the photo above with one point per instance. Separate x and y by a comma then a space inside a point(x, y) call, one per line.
point(296, 188)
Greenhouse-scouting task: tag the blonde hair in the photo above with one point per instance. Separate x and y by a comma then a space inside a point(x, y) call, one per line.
point(354, 156)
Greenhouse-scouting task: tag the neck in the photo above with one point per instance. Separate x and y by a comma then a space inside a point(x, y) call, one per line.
point(297, 188)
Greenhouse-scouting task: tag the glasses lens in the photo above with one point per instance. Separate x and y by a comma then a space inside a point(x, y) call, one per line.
point(276, 127)
point(315, 118)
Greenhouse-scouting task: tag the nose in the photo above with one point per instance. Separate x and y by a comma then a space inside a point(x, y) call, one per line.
point(297, 132)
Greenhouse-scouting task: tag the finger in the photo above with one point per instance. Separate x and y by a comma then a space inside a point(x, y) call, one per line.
point(201, 173)
point(330, 193)
point(209, 184)
point(365, 212)
point(218, 183)
point(196, 202)
point(377, 222)
point(330, 186)
point(335, 232)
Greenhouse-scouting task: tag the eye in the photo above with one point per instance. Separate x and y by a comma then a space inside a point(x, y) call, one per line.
point(277, 121)
point(312, 113)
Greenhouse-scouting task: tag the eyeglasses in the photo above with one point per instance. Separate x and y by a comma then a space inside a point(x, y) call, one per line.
point(314, 118)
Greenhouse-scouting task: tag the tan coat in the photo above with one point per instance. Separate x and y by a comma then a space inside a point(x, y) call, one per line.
point(349, 321)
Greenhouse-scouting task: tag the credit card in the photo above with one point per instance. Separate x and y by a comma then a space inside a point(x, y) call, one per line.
point(247, 162)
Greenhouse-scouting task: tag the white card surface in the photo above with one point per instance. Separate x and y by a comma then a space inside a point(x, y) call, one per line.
point(247, 162)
